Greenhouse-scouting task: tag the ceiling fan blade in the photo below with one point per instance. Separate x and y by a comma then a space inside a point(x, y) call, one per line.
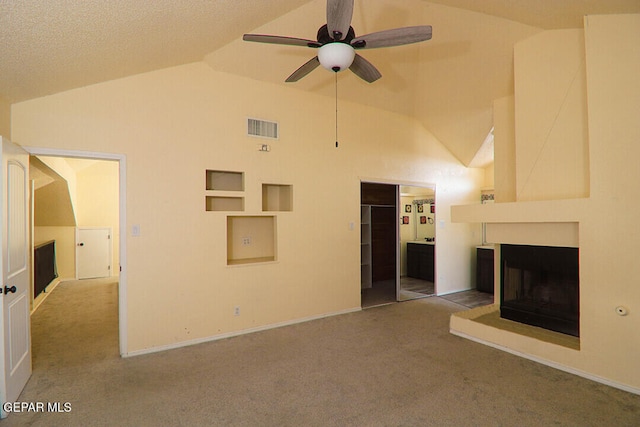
point(339, 14)
point(395, 37)
point(364, 69)
point(290, 41)
point(305, 69)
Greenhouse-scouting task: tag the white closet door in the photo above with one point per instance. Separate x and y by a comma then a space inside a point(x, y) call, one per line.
point(93, 253)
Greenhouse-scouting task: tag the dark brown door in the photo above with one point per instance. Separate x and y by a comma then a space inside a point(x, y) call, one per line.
point(383, 243)
point(383, 199)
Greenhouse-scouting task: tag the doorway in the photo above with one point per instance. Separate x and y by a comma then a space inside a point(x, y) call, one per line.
point(397, 243)
point(106, 167)
point(379, 237)
point(417, 242)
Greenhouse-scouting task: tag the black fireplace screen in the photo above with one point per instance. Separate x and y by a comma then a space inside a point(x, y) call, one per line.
point(540, 287)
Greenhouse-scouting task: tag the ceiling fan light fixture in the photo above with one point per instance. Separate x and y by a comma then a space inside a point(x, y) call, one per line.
point(336, 56)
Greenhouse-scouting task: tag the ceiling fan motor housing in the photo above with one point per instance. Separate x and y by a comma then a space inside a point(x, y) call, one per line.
point(323, 36)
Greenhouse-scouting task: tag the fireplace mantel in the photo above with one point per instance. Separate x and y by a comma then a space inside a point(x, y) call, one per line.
point(558, 211)
point(544, 223)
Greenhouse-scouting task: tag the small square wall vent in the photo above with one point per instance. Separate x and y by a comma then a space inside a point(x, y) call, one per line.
point(262, 128)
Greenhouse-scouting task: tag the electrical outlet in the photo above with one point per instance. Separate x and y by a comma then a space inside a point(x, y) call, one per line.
point(246, 241)
point(236, 311)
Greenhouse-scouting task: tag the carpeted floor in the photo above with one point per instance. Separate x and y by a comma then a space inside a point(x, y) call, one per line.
point(394, 365)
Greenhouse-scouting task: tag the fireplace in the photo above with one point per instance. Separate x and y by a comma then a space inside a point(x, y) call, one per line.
point(539, 286)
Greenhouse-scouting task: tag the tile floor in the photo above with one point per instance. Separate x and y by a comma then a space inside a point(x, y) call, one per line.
point(384, 292)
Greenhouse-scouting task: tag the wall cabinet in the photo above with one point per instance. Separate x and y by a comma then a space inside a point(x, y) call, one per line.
point(420, 261)
point(484, 270)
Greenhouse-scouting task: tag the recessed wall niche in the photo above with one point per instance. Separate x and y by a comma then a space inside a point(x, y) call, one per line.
point(277, 197)
point(220, 203)
point(224, 180)
point(251, 239)
point(223, 191)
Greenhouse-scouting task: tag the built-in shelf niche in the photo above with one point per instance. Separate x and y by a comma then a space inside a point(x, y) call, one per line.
point(277, 197)
point(222, 203)
point(218, 185)
point(251, 239)
point(224, 180)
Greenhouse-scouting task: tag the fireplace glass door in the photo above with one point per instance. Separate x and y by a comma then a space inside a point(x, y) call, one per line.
point(540, 287)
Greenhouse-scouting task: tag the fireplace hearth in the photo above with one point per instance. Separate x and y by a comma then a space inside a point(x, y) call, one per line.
point(540, 287)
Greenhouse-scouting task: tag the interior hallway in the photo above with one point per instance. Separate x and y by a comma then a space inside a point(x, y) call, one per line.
point(392, 365)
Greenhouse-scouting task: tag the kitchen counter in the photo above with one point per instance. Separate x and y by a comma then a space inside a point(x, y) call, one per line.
point(421, 242)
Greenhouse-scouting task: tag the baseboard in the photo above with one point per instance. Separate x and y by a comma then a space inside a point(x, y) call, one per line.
point(550, 363)
point(236, 333)
point(37, 301)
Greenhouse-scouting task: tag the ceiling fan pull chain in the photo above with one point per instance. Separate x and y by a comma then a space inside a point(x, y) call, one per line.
point(336, 75)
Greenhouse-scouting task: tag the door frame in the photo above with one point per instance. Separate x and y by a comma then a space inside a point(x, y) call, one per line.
point(122, 247)
point(397, 224)
point(398, 184)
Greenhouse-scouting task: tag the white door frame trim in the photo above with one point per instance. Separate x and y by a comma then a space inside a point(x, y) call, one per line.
point(122, 168)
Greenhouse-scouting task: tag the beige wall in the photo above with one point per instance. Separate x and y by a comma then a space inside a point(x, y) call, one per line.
point(489, 176)
point(97, 199)
point(174, 124)
point(65, 238)
point(504, 149)
point(551, 117)
point(610, 242)
point(606, 221)
point(5, 118)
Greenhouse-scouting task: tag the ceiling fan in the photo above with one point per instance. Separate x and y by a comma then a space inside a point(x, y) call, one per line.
point(337, 43)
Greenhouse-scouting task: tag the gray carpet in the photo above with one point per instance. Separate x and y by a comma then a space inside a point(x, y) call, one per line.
point(394, 365)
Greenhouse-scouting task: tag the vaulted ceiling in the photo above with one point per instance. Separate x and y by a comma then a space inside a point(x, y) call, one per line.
point(448, 83)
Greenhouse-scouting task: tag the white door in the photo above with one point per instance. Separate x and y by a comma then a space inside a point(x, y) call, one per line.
point(16, 273)
point(93, 252)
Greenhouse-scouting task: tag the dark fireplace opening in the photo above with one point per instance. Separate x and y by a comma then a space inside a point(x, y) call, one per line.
point(540, 287)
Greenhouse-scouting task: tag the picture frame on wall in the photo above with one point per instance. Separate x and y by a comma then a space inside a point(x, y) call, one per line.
point(433, 208)
point(407, 208)
point(420, 208)
point(423, 220)
point(405, 220)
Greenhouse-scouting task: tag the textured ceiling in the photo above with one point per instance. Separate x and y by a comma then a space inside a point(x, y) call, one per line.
point(448, 83)
point(48, 46)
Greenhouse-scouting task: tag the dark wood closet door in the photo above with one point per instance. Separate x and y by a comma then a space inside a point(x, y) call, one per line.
point(383, 242)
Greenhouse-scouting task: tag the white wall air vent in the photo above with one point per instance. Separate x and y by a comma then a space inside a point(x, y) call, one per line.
point(262, 128)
